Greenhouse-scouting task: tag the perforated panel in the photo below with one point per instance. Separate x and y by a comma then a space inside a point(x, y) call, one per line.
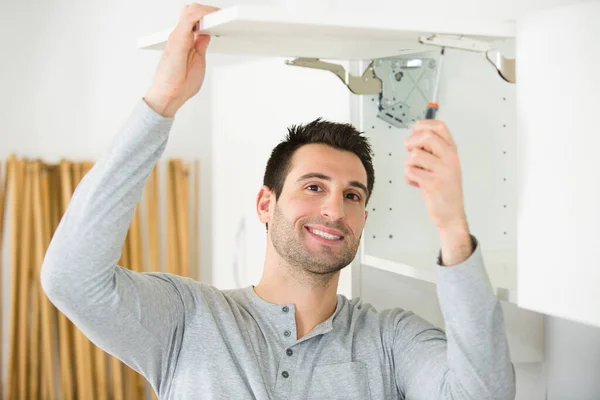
point(479, 109)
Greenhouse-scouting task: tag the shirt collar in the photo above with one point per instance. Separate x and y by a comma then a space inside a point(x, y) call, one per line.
point(270, 308)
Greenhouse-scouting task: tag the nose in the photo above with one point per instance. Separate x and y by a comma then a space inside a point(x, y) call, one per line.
point(333, 207)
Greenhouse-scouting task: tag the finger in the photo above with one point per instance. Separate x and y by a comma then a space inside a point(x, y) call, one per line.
point(417, 176)
point(411, 183)
point(191, 14)
point(422, 159)
point(428, 140)
point(436, 126)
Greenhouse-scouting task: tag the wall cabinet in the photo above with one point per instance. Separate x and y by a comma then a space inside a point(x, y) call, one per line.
point(526, 147)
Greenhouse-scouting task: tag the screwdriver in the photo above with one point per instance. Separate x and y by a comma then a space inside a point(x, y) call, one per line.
point(433, 106)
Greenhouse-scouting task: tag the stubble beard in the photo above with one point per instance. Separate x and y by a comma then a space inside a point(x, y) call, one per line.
point(313, 268)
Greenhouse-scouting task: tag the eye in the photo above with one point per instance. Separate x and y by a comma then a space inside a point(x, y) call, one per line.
point(353, 196)
point(313, 188)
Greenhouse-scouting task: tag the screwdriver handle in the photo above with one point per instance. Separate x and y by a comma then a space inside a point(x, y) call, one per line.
point(431, 110)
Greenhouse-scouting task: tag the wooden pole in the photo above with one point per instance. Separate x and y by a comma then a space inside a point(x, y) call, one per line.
point(24, 271)
point(34, 335)
point(15, 201)
point(172, 257)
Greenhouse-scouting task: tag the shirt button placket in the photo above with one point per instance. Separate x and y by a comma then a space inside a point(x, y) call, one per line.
point(286, 310)
point(285, 365)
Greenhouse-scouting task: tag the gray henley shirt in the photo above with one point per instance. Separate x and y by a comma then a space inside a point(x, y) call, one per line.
point(191, 340)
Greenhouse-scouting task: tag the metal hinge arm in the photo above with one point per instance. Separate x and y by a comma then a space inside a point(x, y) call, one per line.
point(368, 83)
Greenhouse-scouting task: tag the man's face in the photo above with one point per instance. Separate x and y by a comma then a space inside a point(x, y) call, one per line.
point(317, 222)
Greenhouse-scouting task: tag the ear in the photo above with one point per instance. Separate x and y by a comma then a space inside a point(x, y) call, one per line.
point(366, 215)
point(263, 204)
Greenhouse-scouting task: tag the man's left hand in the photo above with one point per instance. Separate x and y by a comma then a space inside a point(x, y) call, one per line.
point(433, 166)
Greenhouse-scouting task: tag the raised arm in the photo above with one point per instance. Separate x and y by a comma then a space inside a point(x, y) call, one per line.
point(137, 317)
point(471, 361)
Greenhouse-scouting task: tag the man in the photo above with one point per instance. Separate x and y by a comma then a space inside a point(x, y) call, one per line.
point(291, 336)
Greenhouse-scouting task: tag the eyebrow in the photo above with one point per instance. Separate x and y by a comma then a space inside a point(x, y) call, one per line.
point(312, 175)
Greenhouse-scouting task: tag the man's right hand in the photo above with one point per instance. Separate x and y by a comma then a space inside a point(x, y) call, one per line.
point(182, 67)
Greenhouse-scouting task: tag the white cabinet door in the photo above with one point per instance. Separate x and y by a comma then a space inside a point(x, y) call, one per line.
point(559, 184)
point(339, 34)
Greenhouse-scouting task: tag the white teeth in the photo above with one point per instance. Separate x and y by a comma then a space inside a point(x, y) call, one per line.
point(325, 234)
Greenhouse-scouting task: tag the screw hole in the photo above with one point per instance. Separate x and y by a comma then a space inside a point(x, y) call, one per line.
point(391, 236)
point(390, 154)
point(390, 208)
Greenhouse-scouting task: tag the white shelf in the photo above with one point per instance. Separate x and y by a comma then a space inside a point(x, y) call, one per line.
point(270, 31)
point(500, 265)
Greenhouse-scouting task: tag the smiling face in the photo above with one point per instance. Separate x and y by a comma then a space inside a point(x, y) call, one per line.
point(316, 223)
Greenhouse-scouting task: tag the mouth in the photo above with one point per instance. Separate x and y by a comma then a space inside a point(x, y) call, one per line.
point(329, 236)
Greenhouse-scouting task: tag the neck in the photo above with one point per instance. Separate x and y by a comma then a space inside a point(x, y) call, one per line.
point(314, 301)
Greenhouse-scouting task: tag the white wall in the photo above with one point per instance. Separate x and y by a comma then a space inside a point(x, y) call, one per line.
point(71, 73)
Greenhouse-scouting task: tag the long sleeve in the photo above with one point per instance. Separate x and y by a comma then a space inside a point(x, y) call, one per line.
point(137, 317)
point(471, 360)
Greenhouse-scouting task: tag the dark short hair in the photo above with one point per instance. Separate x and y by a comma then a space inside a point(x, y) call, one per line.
point(341, 136)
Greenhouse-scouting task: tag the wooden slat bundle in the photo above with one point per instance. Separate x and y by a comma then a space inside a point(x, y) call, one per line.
point(36, 195)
